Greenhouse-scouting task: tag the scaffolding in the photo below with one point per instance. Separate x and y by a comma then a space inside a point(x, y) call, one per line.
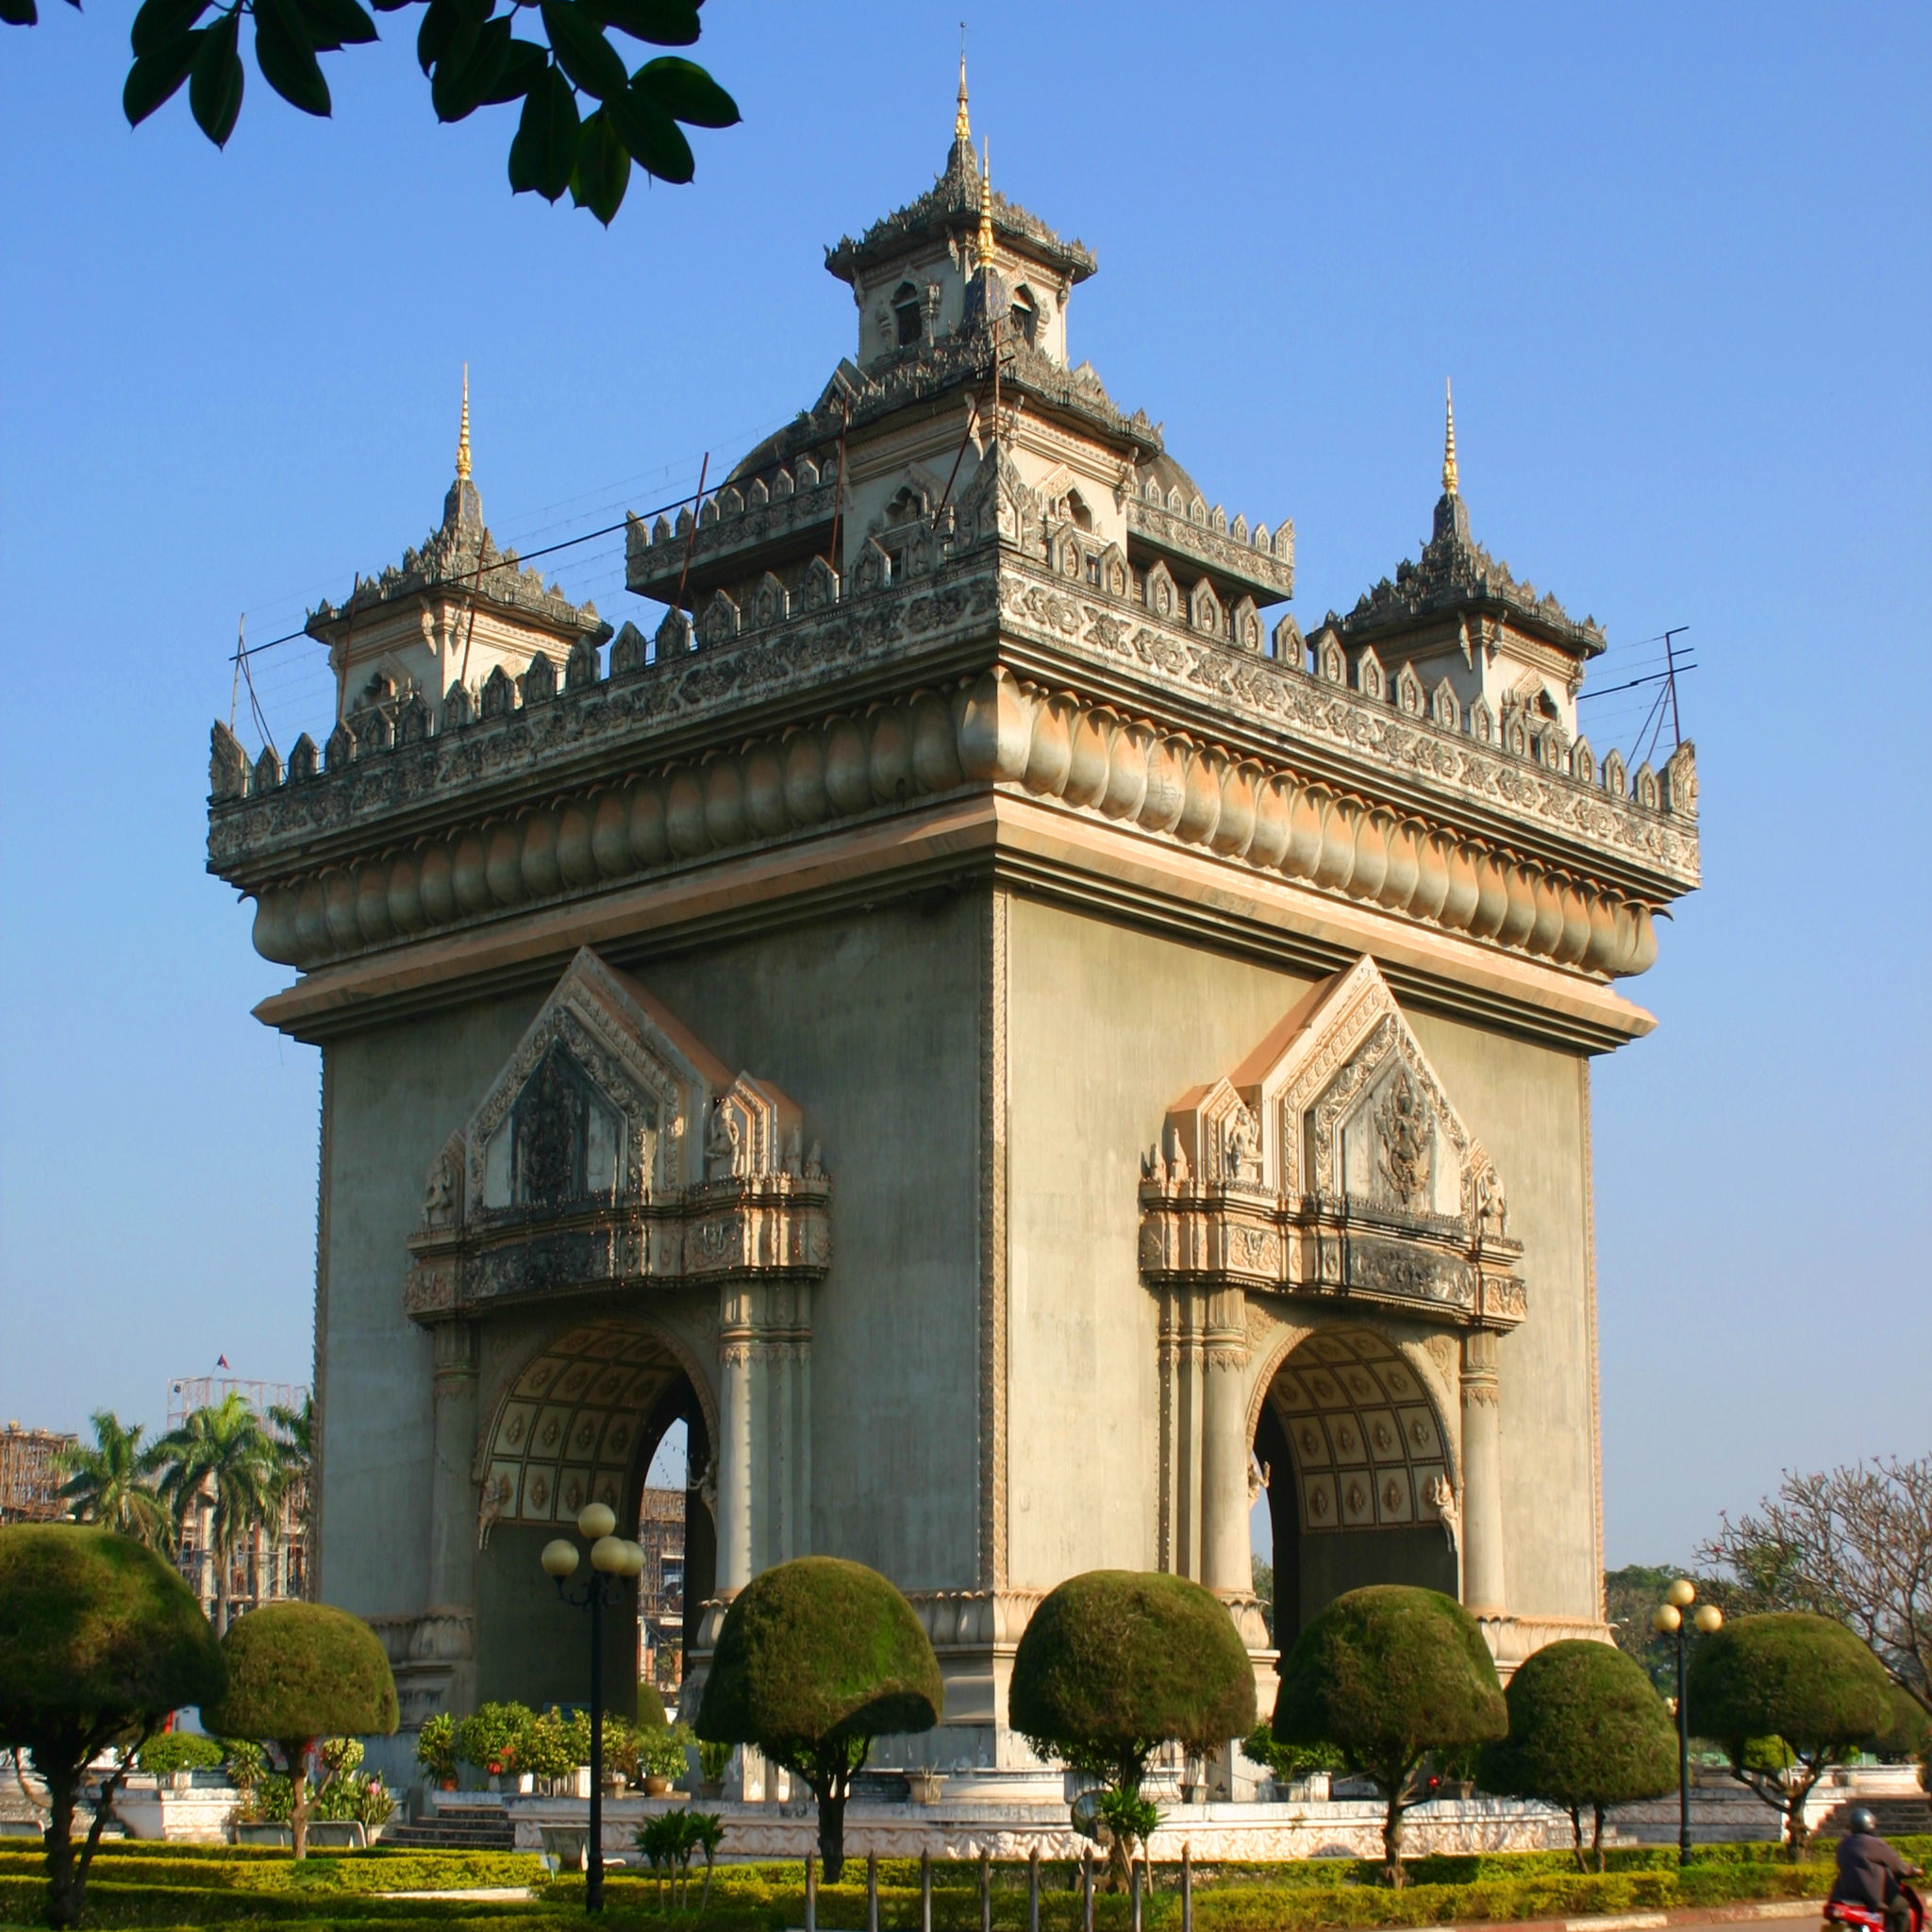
point(209, 1392)
point(31, 1474)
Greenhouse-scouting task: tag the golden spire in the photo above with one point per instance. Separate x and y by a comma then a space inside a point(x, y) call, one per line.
point(985, 250)
point(1449, 442)
point(463, 434)
point(962, 128)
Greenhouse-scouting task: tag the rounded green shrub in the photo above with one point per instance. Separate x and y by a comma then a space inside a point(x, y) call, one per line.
point(1587, 1730)
point(1388, 1675)
point(1116, 1662)
point(100, 1638)
point(816, 1659)
point(652, 1716)
point(297, 1673)
point(1805, 1679)
point(174, 1751)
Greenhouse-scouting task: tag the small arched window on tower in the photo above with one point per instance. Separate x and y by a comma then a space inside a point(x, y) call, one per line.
point(1025, 316)
point(905, 312)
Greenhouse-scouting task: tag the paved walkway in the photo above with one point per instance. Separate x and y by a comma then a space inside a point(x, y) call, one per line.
point(1787, 1909)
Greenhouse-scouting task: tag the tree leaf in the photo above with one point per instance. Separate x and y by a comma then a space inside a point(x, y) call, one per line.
point(162, 21)
point(656, 141)
point(448, 32)
point(19, 12)
point(583, 53)
point(286, 58)
point(458, 89)
point(602, 167)
point(157, 75)
point(390, 6)
point(214, 92)
point(687, 92)
point(546, 147)
point(525, 67)
point(334, 24)
point(663, 23)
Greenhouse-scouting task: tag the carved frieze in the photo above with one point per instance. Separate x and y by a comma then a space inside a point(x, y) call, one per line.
point(1361, 1183)
point(614, 1153)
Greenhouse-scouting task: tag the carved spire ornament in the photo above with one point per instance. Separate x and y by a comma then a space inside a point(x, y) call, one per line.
point(463, 433)
point(984, 253)
point(1449, 441)
point(963, 128)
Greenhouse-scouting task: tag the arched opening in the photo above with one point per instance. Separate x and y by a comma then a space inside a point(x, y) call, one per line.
point(1352, 1447)
point(598, 1414)
point(906, 314)
point(1025, 316)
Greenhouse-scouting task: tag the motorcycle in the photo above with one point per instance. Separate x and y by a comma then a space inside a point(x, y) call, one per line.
point(1858, 1918)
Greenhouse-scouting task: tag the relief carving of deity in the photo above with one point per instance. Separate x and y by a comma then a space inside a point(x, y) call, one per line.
point(1406, 1130)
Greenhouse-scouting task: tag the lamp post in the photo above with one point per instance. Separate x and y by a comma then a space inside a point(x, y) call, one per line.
point(1667, 1620)
point(615, 1561)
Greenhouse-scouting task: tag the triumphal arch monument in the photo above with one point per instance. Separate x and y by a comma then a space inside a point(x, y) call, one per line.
point(965, 1004)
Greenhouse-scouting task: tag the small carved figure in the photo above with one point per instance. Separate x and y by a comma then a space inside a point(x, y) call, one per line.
point(1492, 1206)
point(438, 1194)
point(1441, 1496)
point(814, 1168)
point(495, 1499)
point(1244, 1148)
point(720, 1144)
point(1261, 1477)
point(1406, 1130)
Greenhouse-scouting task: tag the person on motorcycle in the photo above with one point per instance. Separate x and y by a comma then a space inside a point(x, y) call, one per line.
point(1871, 1876)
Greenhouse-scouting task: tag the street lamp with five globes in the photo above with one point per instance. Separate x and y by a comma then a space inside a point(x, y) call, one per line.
point(616, 1561)
point(1667, 1620)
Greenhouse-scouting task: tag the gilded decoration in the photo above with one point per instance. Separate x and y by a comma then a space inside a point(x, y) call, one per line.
point(614, 1152)
point(1332, 1166)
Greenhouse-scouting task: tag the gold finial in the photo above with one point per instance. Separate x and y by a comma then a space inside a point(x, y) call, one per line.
point(463, 434)
point(962, 128)
point(985, 251)
point(1449, 442)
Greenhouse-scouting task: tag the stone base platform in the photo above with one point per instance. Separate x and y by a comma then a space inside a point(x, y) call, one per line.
point(1341, 1828)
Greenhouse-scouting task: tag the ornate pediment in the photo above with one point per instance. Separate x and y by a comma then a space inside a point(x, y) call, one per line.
point(1331, 1161)
point(614, 1149)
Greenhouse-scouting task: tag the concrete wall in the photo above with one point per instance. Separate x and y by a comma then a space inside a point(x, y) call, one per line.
point(1107, 1027)
point(394, 1096)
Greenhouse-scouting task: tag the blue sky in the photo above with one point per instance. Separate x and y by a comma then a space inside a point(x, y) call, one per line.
point(1677, 261)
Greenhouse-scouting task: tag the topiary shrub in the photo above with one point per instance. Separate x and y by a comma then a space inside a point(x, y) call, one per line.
point(100, 1638)
point(1387, 1674)
point(435, 1747)
point(1788, 1674)
point(1587, 1730)
point(1907, 1738)
point(298, 1672)
point(490, 1738)
point(816, 1659)
point(174, 1751)
point(652, 1716)
point(1115, 1664)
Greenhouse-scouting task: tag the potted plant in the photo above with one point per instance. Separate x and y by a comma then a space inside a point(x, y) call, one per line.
point(926, 1783)
point(659, 1759)
point(714, 1760)
point(436, 1750)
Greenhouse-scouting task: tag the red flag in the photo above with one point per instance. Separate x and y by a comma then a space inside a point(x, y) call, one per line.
point(220, 1361)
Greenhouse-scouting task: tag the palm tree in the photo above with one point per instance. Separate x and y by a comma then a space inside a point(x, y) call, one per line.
point(221, 1460)
point(112, 1483)
point(294, 1434)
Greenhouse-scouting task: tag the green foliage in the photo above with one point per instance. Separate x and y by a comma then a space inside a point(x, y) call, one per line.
point(652, 1716)
point(111, 1483)
point(1116, 1662)
point(222, 1459)
point(1907, 1738)
point(1790, 1676)
point(298, 1671)
point(1387, 1674)
point(490, 1738)
point(99, 1640)
point(471, 57)
point(817, 1657)
point(1586, 1731)
point(546, 1749)
point(436, 1746)
point(174, 1751)
point(1128, 1819)
point(660, 1750)
point(714, 1760)
point(1288, 1762)
point(670, 1842)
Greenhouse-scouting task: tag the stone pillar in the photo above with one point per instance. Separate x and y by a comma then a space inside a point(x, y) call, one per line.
point(1482, 1476)
point(734, 1448)
point(1227, 1564)
point(453, 1495)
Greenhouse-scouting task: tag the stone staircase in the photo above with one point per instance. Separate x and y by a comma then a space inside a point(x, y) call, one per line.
point(455, 1827)
point(1897, 1817)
